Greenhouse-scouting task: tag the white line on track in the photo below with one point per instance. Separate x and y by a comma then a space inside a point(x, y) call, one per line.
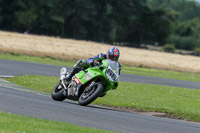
point(7, 84)
point(6, 76)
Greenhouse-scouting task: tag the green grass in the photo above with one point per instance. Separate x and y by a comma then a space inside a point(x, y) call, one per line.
point(36, 59)
point(40, 83)
point(161, 73)
point(175, 101)
point(10, 123)
point(125, 69)
point(172, 100)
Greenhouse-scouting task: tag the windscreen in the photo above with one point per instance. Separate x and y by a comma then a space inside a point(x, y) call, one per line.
point(112, 71)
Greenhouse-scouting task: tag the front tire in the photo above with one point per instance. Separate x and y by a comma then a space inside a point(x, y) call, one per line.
point(57, 93)
point(90, 94)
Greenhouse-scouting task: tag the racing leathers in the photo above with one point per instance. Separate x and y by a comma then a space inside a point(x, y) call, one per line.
point(87, 63)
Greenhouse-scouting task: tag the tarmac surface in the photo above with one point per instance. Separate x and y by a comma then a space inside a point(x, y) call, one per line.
point(23, 101)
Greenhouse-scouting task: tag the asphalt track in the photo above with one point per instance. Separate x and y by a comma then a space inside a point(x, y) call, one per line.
point(42, 106)
point(21, 68)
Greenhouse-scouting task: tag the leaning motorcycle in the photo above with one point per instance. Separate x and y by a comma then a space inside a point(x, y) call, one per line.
point(88, 84)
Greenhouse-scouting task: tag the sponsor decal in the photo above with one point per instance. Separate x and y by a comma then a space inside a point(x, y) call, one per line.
point(87, 77)
point(91, 74)
point(77, 81)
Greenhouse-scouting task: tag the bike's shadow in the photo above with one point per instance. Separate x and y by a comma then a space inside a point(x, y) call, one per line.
point(92, 106)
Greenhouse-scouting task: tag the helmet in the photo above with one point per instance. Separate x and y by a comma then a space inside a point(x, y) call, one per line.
point(113, 53)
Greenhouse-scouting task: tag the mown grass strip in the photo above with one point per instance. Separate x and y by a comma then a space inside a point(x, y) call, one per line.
point(175, 101)
point(36, 59)
point(125, 69)
point(161, 73)
point(11, 123)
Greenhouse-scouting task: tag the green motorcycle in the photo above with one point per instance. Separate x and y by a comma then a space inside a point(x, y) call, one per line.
point(88, 84)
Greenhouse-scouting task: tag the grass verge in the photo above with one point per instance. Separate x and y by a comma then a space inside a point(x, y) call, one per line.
point(174, 101)
point(125, 69)
point(36, 59)
point(11, 123)
point(161, 73)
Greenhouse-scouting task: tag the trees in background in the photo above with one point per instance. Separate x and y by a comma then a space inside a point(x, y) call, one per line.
point(186, 26)
point(128, 22)
point(125, 22)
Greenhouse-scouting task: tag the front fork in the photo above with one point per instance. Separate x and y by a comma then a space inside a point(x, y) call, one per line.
point(63, 83)
point(66, 86)
point(63, 75)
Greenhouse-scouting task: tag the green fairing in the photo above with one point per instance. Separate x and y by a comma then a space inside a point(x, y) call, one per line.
point(88, 84)
point(84, 62)
point(99, 73)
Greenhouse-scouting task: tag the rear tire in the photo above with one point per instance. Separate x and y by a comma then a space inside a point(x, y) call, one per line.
point(88, 97)
point(57, 93)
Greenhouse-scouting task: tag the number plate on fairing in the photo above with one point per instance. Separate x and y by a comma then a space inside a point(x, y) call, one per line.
point(112, 76)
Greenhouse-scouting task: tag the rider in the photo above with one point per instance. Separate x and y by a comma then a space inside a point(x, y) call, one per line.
point(113, 53)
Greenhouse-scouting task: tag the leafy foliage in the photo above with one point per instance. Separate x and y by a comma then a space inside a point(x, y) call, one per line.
point(124, 22)
point(197, 51)
point(185, 14)
point(169, 48)
point(128, 22)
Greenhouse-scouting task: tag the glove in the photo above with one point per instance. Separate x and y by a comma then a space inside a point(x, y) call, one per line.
point(95, 63)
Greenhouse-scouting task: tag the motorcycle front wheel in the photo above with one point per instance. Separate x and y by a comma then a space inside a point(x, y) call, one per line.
point(57, 93)
point(90, 94)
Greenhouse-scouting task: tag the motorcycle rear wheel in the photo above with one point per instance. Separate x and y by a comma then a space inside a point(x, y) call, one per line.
point(89, 95)
point(57, 93)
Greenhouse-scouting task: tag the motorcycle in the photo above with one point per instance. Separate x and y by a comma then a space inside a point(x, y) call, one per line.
point(88, 84)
